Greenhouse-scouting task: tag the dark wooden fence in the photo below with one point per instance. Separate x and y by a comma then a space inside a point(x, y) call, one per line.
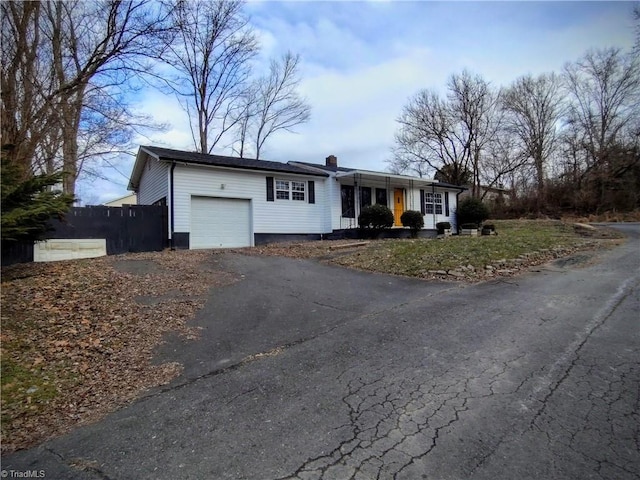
point(130, 228)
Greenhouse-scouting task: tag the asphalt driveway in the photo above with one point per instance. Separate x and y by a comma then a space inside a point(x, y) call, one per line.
point(310, 371)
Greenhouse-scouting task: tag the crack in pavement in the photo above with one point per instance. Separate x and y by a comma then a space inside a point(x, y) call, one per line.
point(563, 366)
point(395, 422)
point(88, 466)
point(574, 420)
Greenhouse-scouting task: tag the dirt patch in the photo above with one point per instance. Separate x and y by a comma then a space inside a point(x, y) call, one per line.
point(137, 267)
point(78, 336)
point(576, 260)
point(597, 232)
point(633, 216)
point(315, 249)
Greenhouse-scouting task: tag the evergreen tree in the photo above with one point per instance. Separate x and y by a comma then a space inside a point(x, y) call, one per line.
point(27, 204)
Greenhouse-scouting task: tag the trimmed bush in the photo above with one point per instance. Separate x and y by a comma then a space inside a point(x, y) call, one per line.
point(472, 210)
point(442, 226)
point(376, 217)
point(414, 220)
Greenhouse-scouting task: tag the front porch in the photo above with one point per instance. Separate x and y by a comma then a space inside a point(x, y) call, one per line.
point(360, 188)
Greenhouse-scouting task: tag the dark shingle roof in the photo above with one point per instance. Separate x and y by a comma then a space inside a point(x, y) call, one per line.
point(327, 168)
point(222, 161)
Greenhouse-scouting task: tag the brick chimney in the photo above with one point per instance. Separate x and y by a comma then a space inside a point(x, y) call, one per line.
point(332, 161)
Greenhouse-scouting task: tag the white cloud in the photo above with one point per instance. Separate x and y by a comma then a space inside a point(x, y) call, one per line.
point(361, 61)
point(166, 110)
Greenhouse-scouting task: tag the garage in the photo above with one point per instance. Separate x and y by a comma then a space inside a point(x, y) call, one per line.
point(220, 222)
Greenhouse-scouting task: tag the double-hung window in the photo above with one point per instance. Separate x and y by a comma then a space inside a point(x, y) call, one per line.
point(433, 203)
point(290, 190)
point(297, 191)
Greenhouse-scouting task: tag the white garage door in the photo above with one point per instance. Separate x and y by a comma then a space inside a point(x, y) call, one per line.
point(220, 223)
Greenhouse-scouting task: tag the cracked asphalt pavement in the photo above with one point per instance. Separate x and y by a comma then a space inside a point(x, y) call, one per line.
point(308, 371)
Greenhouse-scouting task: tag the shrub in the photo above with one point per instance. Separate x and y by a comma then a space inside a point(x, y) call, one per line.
point(414, 220)
point(488, 229)
point(472, 210)
point(376, 217)
point(442, 226)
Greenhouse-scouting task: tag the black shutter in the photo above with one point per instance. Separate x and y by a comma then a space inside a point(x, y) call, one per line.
point(269, 189)
point(422, 210)
point(446, 203)
point(312, 191)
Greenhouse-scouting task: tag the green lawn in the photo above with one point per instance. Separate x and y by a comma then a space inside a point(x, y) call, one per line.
point(417, 257)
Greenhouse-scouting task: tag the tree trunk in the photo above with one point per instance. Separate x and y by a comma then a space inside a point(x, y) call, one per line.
point(71, 109)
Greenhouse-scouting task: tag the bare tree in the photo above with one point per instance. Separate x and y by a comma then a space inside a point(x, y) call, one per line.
point(426, 140)
point(407, 157)
point(504, 164)
point(604, 92)
point(246, 114)
point(53, 55)
point(448, 135)
point(475, 105)
point(279, 106)
point(210, 54)
point(603, 121)
point(25, 111)
point(533, 109)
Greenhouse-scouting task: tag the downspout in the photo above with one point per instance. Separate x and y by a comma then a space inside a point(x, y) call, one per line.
point(171, 215)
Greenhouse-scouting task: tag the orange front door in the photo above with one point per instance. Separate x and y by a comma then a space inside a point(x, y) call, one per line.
point(398, 206)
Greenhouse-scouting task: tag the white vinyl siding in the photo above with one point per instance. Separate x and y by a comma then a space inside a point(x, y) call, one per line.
point(154, 182)
point(267, 217)
point(435, 207)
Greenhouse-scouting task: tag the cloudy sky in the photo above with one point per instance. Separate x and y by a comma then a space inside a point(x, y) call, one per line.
point(361, 61)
